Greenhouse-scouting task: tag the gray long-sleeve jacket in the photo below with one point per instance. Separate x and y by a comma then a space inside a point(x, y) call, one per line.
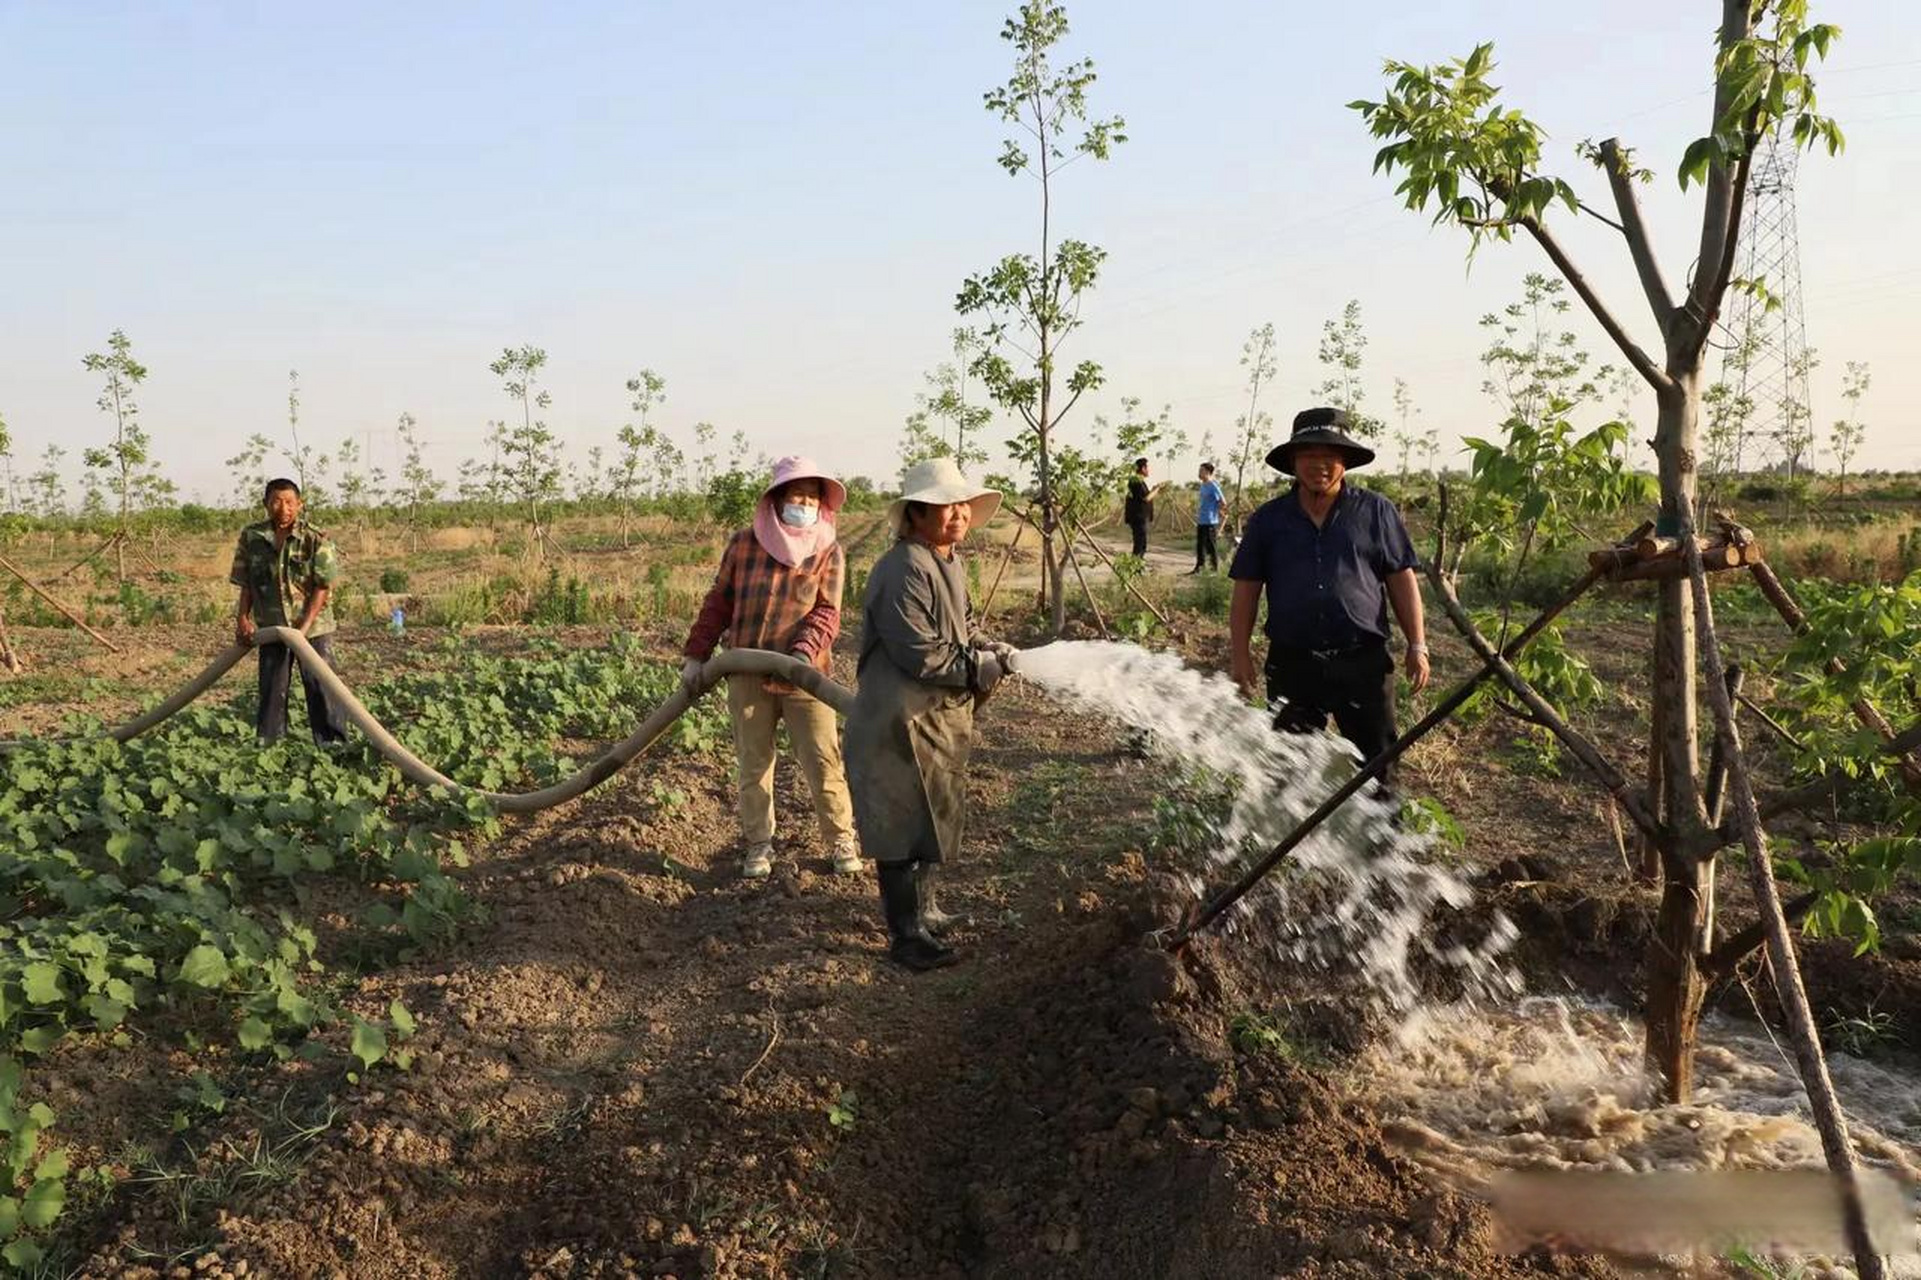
point(911, 729)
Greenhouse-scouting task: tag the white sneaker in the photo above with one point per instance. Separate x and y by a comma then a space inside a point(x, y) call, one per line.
point(758, 862)
point(846, 856)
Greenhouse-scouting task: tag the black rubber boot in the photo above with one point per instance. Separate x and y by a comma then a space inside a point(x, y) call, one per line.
point(932, 918)
point(909, 943)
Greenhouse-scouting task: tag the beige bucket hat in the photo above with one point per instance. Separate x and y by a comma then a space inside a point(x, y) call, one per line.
point(938, 482)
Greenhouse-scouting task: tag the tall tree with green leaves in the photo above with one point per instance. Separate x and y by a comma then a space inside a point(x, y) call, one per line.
point(1725, 415)
point(1030, 304)
point(1849, 432)
point(1794, 429)
point(309, 464)
point(47, 487)
point(1252, 429)
point(529, 452)
point(357, 488)
point(122, 459)
point(638, 441)
point(945, 423)
point(1473, 162)
point(418, 484)
point(1342, 350)
point(249, 468)
point(1532, 486)
point(1404, 412)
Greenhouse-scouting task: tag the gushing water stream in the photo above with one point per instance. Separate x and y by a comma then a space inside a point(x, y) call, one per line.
point(1487, 1082)
point(1359, 897)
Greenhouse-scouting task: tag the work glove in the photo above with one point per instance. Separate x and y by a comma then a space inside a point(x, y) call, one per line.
point(690, 673)
point(1007, 653)
point(989, 670)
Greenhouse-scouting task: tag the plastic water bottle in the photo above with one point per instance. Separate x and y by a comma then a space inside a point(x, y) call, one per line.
point(397, 621)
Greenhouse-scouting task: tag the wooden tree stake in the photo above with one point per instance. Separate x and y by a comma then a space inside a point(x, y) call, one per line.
point(8, 658)
point(65, 612)
point(1067, 548)
point(1132, 590)
point(987, 606)
point(1793, 995)
point(1577, 743)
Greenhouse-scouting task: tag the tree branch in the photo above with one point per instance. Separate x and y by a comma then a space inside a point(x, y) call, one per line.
point(1737, 947)
point(1718, 229)
point(1643, 365)
point(1709, 305)
point(1598, 216)
point(1069, 406)
point(1634, 227)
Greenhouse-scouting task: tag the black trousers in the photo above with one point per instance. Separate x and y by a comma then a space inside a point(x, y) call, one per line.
point(1354, 686)
point(1206, 545)
point(325, 718)
point(1139, 528)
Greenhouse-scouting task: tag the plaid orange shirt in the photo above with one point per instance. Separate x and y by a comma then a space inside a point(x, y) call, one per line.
point(760, 603)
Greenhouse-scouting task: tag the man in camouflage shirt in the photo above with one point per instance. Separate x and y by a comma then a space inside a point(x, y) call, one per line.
point(285, 569)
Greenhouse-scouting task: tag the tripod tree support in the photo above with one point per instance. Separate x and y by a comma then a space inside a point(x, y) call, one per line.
point(1107, 560)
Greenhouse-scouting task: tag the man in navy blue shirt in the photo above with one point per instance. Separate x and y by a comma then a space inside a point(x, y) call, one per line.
point(1330, 559)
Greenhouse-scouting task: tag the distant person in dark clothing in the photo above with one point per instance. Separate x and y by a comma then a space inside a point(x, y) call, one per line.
point(1139, 511)
point(1330, 559)
point(1208, 506)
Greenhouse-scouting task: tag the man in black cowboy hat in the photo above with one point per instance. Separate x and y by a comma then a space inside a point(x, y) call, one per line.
point(1331, 559)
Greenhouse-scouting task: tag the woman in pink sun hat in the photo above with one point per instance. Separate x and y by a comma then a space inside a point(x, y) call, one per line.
point(779, 587)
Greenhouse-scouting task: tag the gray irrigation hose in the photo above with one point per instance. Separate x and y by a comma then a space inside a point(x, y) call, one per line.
point(729, 662)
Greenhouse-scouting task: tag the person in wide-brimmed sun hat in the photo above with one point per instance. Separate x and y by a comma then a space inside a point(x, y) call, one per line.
point(923, 672)
point(1330, 558)
point(778, 587)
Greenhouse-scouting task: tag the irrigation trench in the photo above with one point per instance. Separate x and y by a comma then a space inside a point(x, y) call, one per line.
point(729, 662)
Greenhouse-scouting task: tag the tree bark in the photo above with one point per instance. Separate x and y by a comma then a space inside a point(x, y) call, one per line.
point(1676, 985)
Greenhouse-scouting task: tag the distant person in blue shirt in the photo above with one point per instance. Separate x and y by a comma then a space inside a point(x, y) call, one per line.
point(1207, 522)
point(1331, 559)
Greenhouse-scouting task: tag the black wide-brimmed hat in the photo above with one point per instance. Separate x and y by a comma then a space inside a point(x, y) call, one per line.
point(1326, 427)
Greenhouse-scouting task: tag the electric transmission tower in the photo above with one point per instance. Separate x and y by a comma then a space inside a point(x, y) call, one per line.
point(1767, 360)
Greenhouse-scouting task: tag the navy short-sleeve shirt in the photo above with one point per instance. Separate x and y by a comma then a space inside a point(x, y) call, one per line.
point(1325, 585)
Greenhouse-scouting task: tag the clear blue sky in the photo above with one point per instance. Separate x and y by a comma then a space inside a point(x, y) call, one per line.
point(774, 205)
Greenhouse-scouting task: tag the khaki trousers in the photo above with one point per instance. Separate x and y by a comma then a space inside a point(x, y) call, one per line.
point(816, 737)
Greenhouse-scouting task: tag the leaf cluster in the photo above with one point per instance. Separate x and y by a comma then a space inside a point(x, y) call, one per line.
point(1875, 634)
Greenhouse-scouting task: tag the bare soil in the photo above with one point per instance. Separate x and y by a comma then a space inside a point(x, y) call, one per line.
point(641, 1065)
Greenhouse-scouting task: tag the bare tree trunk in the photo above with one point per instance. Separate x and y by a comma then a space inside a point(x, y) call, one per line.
point(1675, 982)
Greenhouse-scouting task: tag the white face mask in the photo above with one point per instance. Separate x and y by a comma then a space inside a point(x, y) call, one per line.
point(798, 514)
